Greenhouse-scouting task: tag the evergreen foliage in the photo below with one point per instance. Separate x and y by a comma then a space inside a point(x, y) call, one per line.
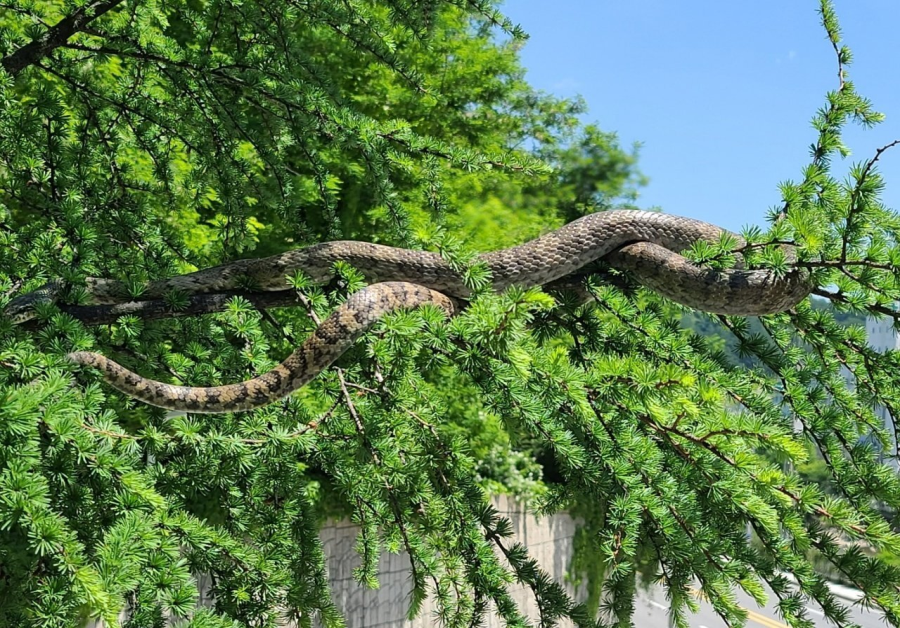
point(720, 339)
point(144, 139)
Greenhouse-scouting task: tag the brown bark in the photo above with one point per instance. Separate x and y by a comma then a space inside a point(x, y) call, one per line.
point(216, 302)
point(56, 36)
point(158, 308)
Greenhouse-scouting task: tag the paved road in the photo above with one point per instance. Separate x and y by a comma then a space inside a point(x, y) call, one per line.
point(651, 611)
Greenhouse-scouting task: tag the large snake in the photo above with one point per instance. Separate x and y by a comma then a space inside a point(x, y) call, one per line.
point(646, 244)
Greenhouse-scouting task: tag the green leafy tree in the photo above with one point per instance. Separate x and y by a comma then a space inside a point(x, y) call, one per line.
point(140, 140)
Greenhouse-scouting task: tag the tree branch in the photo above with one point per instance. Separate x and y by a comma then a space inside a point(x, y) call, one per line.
point(56, 36)
point(158, 308)
point(197, 304)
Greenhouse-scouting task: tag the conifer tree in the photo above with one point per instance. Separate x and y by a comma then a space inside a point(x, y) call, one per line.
point(141, 140)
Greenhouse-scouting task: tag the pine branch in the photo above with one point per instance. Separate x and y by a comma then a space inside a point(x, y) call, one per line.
point(56, 36)
point(855, 203)
point(209, 303)
point(157, 309)
point(873, 308)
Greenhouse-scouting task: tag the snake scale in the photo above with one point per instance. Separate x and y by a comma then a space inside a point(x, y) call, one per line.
point(645, 244)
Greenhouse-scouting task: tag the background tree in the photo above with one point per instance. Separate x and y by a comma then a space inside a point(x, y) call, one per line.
point(144, 139)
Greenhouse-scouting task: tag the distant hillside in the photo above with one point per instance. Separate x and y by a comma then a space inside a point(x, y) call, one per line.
point(721, 338)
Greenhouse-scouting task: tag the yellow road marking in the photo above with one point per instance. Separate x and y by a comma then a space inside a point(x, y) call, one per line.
point(768, 622)
point(765, 621)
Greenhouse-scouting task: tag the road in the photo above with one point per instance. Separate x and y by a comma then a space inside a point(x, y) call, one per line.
point(651, 611)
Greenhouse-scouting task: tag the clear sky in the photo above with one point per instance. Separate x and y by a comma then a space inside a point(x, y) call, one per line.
point(720, 93)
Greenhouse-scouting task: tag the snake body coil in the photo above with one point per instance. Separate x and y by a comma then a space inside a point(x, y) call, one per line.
point(646, 244)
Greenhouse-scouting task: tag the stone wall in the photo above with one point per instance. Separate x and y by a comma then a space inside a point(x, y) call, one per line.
point(549, 540)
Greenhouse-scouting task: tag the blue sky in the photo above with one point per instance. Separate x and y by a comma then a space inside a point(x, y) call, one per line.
point(720, 93)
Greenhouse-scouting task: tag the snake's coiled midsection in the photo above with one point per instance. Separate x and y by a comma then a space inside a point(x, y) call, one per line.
point(646, 244)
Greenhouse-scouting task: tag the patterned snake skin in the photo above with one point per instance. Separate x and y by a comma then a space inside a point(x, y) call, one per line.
point(646, 244)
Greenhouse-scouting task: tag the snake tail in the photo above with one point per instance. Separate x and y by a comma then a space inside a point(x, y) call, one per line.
point(327, 343)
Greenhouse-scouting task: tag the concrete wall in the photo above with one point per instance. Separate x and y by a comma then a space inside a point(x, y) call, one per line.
point(549, 540)
point(882, 337)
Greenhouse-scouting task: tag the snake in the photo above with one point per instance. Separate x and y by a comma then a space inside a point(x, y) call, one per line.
point(645, 244)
